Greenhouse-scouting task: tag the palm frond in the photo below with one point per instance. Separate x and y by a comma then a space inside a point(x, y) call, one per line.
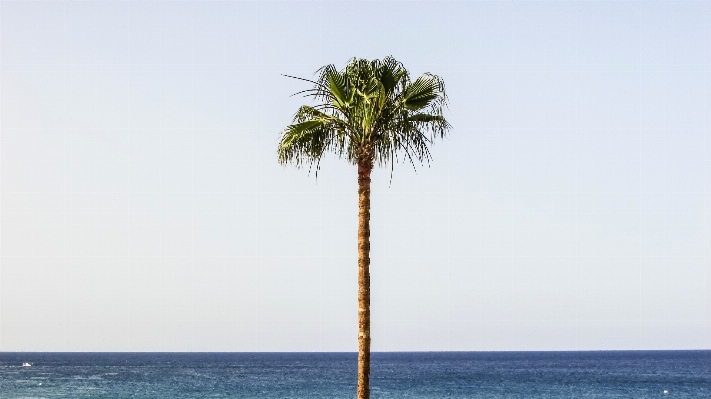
point(422, 91)
point(338, 86)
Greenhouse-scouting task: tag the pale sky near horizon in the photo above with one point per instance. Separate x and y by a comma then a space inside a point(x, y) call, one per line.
point(142, 207)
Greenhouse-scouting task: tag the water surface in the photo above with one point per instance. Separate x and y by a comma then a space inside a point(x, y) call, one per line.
point(615, 374)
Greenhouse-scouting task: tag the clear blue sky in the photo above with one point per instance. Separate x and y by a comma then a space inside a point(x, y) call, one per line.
point(143, 209)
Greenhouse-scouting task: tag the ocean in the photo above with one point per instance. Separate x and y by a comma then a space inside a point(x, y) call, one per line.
point(607, 374)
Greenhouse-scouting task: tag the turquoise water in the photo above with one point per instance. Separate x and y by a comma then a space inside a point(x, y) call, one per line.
point(634, 374)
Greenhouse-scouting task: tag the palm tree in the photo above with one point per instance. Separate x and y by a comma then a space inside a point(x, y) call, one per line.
point(370, 112)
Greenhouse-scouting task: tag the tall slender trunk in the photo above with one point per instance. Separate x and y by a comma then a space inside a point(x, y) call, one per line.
point(364, 168)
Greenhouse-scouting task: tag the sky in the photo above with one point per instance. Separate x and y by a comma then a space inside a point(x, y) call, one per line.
point(142, 207)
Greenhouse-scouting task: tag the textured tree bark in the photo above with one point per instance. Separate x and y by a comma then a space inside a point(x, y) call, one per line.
point(364, 169)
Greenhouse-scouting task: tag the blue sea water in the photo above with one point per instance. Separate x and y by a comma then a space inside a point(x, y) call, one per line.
point(614, 374)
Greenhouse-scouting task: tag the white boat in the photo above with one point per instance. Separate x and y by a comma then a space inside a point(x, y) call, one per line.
point(26, 364)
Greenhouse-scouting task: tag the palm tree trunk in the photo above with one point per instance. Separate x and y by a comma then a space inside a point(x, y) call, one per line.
point(364, 169)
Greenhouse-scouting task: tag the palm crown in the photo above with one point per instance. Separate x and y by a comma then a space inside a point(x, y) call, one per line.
point(369, 112)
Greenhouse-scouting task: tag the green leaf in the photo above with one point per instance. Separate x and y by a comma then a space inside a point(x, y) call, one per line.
point(425, 118)
point(339, 90)
point(421, 92)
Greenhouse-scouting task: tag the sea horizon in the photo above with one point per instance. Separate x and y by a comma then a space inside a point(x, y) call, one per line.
point(414, 351)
